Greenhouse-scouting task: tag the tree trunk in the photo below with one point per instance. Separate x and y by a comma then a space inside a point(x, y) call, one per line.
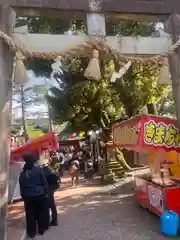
point(7, 22)
point(151, 108)
point(118, 153)
point(120, 158)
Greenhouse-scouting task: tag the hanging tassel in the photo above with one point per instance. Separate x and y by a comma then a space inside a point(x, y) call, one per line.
point(93, 71)
point(164, 74)
point(20, 73)
point(122, 71)
point(57, 66)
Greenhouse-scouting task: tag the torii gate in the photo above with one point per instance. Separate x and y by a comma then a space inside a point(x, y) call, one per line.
point(161, 9)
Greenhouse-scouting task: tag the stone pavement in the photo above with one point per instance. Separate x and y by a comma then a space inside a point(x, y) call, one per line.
point(15, 221)
point(91, 212)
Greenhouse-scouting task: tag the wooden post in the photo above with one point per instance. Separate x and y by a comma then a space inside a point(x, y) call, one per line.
point(7, 20)
point(174, 62)
point(25, 132)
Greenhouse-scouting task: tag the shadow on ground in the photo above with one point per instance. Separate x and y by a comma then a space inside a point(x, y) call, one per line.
point(104, 215)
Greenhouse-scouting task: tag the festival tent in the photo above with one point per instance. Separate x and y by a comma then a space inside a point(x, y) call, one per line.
point(47, 141)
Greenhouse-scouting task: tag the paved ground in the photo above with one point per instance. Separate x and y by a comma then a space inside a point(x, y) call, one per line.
point(88, 213)
point(15, 221)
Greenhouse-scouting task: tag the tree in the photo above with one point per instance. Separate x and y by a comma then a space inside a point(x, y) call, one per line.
point(85, 103)
point(138, 89)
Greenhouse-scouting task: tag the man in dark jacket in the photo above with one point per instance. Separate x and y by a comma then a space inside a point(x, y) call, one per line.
point(34, 192)
point(53, 180)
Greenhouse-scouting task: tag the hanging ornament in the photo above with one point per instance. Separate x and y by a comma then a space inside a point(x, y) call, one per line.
point(93, 71)
point(164, 74)
point(81, 134)
point(64, 137)
point(121, 72)
point(19, 73)
point(57, 66)
point(70, 136)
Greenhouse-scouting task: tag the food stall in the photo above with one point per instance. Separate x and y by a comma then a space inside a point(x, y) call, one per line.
point(159, 188)
point(42, 144)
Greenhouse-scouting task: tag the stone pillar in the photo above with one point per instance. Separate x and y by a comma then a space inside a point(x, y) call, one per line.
point(96, 20)
point(96, 25)
point(7, 20)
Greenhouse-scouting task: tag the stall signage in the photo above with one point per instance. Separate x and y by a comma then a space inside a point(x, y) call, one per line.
point(156, 198)
point(125, 135)
point(161, 134)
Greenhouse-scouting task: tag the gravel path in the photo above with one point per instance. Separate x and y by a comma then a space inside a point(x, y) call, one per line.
point(88, 214)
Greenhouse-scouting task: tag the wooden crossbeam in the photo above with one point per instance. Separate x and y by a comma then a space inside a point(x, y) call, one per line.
point(155, 7)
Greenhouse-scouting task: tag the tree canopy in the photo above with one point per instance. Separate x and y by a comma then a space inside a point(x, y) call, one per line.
point(83, 102)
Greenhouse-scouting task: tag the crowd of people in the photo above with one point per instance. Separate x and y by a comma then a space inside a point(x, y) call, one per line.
point(41, 177)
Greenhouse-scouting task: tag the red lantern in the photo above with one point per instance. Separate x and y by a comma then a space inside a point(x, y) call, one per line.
point(70, 136)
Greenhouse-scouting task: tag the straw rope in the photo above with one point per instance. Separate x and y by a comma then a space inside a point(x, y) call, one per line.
point(13, 46)
point(82, 50)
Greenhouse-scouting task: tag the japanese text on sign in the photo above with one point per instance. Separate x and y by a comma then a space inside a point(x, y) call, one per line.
point(125, 135)
point(161, 134)
point(156, 198)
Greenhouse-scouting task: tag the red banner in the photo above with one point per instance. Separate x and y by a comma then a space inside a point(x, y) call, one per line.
point(147, 131)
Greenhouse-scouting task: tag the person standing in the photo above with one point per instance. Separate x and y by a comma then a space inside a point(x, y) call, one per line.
point(53, 179)
point(74, 169)
point(62, 160)
point(84, 158)
point(89, 170)
point(34, 192)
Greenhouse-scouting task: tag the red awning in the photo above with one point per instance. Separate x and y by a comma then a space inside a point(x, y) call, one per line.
point(47, 141)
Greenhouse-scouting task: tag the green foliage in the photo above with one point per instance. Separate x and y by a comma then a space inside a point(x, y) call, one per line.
point(109, 178)
point(131, 28)
point(33, 133)
point(41, 68)
point(138, 87)
point(43, 25)
point(52, 26)
point(83, 102)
